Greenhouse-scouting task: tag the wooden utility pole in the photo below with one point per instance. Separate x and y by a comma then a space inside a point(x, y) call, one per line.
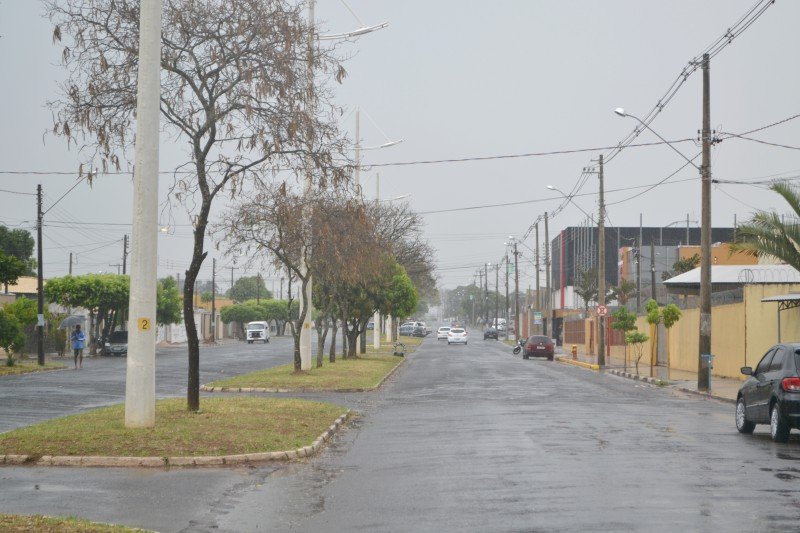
point(496, 292)
point(703, 372)
point(601, 272)
point(125, 254)
point(70, 263)
point(653, 292)
point(538, 287)
point(508, 322)
point(546, 321)
point(39, 278)
point(517, 320)
point(486, 293)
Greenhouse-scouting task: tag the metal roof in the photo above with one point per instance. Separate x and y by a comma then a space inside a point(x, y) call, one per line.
point(782, 298)
point(739, 275)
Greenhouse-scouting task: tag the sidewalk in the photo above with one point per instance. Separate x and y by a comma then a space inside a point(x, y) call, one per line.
point(724, 389)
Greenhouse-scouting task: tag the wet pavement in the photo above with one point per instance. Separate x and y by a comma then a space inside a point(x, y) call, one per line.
point(469, 438)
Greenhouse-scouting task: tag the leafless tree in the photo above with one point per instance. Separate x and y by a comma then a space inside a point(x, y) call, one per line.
point(237, 93)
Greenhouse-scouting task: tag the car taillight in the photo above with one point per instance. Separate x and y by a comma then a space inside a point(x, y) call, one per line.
point(791, 384)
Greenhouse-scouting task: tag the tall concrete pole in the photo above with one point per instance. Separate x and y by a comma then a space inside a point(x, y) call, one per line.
point(40, 278)
point(507, 317)
point(517, 317)
point(486, 293)
point(496, 293)
point(125, 254)
point(376, 317)
point(214, 300)
point(639, 245)
point(305, 296)
point(703, 372)
point(653, 292)
point(601, 271)
point(538, 286)
point(547, 273)
point(140, 382)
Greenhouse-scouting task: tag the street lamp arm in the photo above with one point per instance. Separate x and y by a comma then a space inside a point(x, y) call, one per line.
point(384, 145)
point(569, 199)
point(621, 112)
point(355, 33)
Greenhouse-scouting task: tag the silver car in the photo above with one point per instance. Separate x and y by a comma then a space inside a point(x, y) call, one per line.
point(441, 333)
point(457, 336)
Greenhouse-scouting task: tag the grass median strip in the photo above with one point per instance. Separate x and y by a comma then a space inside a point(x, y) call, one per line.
point(345, 374)
point(53, 524)
point(25, 367)
point(224, 426)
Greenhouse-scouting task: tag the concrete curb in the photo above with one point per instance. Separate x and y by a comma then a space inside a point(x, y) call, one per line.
point(168, 462)
point(206, 388)
point(659, 382)
point(581, 364)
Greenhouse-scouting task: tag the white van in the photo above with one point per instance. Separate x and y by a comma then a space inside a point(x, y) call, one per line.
point(257, 331)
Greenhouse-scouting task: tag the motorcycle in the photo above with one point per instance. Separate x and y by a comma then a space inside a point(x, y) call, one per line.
point(520, 345)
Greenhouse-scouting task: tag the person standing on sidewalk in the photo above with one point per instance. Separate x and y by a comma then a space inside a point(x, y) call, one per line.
point(78, 339)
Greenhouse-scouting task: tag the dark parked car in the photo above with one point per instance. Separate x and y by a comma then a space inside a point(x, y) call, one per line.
point(539, 346)
point(117, 344)
point(771, 395)
point(490, 333)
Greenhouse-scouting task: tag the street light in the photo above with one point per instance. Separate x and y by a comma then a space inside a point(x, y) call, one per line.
point(704, 340)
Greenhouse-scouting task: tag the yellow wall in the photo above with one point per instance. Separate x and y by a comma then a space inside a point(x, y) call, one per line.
point(762, 320)
point(720, 255)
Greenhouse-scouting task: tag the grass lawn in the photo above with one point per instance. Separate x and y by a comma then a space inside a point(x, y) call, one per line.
point(49, 524)
point(345, 374)
point(25, 366)
point(224, 426)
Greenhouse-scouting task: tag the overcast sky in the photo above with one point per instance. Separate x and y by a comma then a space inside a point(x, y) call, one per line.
point(461, 79)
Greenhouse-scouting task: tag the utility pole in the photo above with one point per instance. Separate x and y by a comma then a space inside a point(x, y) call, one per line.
point(601, 271)
point(653, 292)
point(258, 288)
point(306, 294)
point(486, 294)
point(638, 255)
point(140, 382)
point(508, 322)
point(70, 263)
point(703, 372)
point(496, 292)
point(538, 287)
point(231, 293)
point(214, 299)
point(125, 254)
point(40, 278)
point(517, 318)
point(547, 272)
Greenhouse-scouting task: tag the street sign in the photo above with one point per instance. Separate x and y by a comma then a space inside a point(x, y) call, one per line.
point(537, 318)
point(602, 310)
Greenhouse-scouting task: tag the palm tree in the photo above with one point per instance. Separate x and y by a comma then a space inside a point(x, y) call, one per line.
point(624, 291)
point(767, 234)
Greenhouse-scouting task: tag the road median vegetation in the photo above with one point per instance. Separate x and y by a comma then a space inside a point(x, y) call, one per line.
point(224, 426)
point(53, 524)
point(26, 366)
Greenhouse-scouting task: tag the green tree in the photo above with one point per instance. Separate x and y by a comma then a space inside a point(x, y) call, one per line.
point(770, 234)
point(586, 287)
point(242, 314)
point(623, 292)
point(681, 266)
point(637, 340)
point(249, 288)
point(11, 338)
point(18, 243)
point(168, 302)
point(105, 296)
point(11, 269)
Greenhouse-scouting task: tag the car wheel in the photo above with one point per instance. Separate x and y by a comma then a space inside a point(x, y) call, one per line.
point(516, 350)
point(550, 358)
point(777, 425)
point(249, 342)
point(742, 424)
point(448, 343)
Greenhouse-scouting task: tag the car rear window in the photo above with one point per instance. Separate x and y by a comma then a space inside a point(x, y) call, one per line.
point(444, 329)
point(457, 330)
point(118, 337)
point(540, 339)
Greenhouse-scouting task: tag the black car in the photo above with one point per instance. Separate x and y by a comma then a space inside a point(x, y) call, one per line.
point(117, 344)
point(771, 395)
point(490, 333)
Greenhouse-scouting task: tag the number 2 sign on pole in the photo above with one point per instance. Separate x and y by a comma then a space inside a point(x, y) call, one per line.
point(144, 324)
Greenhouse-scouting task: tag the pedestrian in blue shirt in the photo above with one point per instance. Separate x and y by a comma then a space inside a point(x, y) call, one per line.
point(78, 339)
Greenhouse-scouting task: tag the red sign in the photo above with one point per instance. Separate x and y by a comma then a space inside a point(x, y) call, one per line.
point(602, 310)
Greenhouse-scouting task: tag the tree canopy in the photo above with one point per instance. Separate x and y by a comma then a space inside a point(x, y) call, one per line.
point(249, 288)
point(18, 243)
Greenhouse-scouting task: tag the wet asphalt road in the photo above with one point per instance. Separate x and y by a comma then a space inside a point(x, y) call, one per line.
point(469, 439)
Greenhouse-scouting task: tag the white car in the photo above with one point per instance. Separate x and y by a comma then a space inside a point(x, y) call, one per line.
point(257, 331)
point(457, 335)
point(441, 333)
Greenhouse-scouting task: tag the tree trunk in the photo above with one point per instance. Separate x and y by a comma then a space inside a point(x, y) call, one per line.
point(321, 341)
point(332, 351)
